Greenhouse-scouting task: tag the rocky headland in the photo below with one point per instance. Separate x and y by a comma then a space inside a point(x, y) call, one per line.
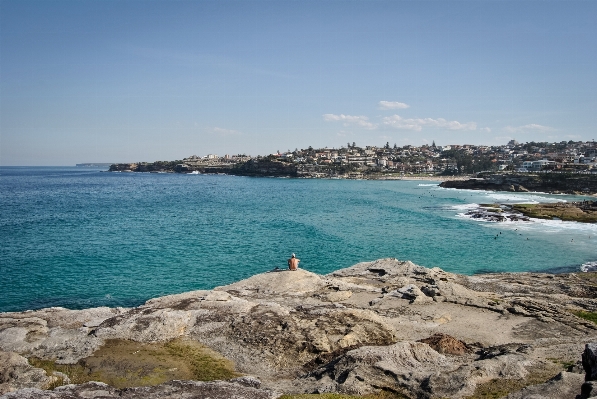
point(549, 182)
point(581, 211)
point(387, 325)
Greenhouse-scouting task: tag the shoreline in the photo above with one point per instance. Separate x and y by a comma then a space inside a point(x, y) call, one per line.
point(314, 332)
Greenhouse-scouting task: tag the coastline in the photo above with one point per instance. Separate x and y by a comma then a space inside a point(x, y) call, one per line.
point(284, 332)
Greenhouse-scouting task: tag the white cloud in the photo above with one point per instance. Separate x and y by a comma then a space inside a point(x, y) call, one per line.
point(531, 127)
point(417, 124)
point(348, 120)
point(485, 129)
point(392, 105)
point(225, 132)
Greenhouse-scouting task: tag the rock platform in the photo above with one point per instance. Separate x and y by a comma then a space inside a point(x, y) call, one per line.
point(388, 324)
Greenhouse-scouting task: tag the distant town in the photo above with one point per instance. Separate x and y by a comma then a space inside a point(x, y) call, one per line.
point(389, 161)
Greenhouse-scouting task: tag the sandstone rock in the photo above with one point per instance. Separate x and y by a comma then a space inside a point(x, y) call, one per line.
point(338, 296)
point(563, 386)
point(446, 344)
point(284, 282)
point(16, 373)
point(170, 390)
point(350, 331)
point(413, 294)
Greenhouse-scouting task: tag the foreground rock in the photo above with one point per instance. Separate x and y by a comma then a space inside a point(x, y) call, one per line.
point(377, 325)
point(170, 390)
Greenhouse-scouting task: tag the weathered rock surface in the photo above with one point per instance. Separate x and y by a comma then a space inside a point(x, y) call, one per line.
point(544, 182)
point(17, 373)
point(564, 385)
point(170, 390)
point(374, 325)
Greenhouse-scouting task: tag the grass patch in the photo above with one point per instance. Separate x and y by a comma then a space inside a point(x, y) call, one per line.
point(76, 373)
point(205, 364)
point(590, 316)
point(500, 388)
point(380, 395)
point(563, 211)
point(124, 364)
point(590, 277)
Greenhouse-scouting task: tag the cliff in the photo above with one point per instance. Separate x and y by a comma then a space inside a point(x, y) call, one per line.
point(265, 167)
point(385, 325)
point(543, 182)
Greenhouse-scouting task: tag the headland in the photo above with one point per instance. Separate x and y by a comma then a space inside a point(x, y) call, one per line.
point(384, 326)
point(548, 182)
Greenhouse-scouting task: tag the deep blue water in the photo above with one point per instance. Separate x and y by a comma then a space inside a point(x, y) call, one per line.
point(78, 237)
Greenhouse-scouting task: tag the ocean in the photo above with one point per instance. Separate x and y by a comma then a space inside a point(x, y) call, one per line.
point(82, 237)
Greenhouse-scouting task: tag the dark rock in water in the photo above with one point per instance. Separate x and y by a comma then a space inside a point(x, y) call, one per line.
point(589, 361)
point(491, 214)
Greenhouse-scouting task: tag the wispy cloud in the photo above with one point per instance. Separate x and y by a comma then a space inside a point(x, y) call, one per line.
point(358, 120)
point(392, 105)
point(485, 129)
point(531, 127)
point(225, 132)
point(417, 124)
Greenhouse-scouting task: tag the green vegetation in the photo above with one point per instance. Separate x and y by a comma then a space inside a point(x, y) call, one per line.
point(380, 395)
point(124, 364)
point(75, 372)
point(500, 388)
point(590, 316)
point(590, 277)
point(205, 364)
point(563, 211)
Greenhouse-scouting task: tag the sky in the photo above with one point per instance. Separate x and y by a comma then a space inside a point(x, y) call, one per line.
point(129, 81)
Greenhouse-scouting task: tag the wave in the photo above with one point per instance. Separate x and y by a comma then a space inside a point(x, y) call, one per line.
point(589, 267)
point(465, 207)
point(517, 198)
point(558, 225)
point(428, 185)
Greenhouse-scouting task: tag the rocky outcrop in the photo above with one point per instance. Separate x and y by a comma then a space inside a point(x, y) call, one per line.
point(265, 167)
point(543, 182)
point(170, 390)
point(385, 324)
point(17, 373)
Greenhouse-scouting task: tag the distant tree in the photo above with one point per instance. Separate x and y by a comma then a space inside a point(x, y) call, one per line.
point(433, 144)
point(395, 146)
point(354, 144)
point(387, 146)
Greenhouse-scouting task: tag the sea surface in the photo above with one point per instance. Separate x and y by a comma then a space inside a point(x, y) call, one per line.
point(79, 237)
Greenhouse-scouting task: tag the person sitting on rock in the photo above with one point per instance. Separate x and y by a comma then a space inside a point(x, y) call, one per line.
point(293, 262)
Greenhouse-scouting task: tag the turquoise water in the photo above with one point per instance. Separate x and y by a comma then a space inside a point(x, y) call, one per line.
point(78, 237)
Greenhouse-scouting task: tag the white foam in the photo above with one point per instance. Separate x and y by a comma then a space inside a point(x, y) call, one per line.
point(589, 267)
point(558, 225)
point(428, 185)
point(465, 207)
point(518, 198)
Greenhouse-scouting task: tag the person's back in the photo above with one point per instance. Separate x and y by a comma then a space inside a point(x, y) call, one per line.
point(293, 262)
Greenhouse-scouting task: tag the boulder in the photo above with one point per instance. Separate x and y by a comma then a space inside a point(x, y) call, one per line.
point(444, 343)
point(589, 361)
point(16, 373)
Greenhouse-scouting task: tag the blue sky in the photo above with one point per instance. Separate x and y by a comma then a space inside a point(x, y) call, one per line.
point(125, 81)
